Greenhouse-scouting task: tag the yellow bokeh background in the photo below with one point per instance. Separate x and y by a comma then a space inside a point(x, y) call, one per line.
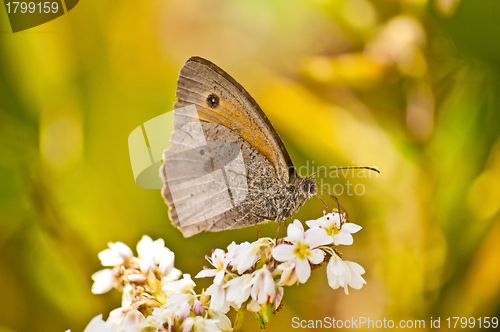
point(411, 87)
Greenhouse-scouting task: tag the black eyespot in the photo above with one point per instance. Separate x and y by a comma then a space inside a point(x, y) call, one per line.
point(202, 152)
point(213, 100)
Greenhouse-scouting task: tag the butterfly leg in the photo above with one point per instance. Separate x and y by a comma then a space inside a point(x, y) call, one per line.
point(256, 226)
point(322, 201)
point(278, 233)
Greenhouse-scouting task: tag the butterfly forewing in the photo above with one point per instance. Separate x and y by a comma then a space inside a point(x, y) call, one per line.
point(227, 167)
point(222, 100)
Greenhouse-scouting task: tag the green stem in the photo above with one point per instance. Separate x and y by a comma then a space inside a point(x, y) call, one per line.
point(238, 322)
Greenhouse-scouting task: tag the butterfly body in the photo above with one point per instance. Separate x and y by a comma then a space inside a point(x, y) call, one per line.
point(227, 167)
point(282, 201)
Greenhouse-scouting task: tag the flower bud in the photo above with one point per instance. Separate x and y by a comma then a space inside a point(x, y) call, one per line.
point(198, 308)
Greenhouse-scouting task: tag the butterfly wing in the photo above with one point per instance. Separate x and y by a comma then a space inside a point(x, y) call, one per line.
point(213, 178)
point(221, 100)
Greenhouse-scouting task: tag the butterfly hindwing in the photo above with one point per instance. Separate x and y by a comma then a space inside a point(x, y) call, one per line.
point(216, 200)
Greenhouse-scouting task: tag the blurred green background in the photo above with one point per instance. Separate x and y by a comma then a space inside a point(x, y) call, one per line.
point(411, 87)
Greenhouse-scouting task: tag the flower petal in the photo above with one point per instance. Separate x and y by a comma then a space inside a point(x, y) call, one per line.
point(350, 228)
point(238, 289)
point(109, 258)
point(98, 324)
point(357, 281)
point(121, 249)
point(218, 298)
point(283, 252)
point(253, 306)
point(143, 245)
point(206, 273)
point(316, 256)
point(302, 269)
point(343, 238)
point(219, 276)
point(336, 266)
point(335, 217)
point(167, 263)
point(313, 223)
point(187, 324)
point(333, 279)
point(103, 281)
point(356, 267)
point(295, 231)
point(133, 317)
point(147, 264)
point(223, 322)
point(316, 237)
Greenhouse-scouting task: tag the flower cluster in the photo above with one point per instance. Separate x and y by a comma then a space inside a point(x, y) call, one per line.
point(156, 296)
point(247, 277)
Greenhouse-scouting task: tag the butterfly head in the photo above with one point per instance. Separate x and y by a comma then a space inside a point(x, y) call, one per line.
point(307, 186)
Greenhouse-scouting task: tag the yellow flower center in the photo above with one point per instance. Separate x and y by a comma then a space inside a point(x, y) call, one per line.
point(332, 230)
point(220, 266)
point(301, 250)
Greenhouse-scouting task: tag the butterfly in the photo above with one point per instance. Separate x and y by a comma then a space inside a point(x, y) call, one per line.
point(227, 167)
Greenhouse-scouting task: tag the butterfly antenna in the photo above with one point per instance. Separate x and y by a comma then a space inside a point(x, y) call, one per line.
point(349, 167)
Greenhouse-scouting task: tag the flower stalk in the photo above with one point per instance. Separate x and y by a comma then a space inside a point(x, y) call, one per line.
point(238, 321)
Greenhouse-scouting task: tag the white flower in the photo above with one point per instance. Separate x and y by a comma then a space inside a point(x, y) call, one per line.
point(152, 253)
point(185, 285)
point(200, 324)
point(164, 316)
point(154, 249)
point(218, 298)
point(222, 321)
point(133, 320)
point(288, 275)
point(264, 288)
point(104, 280)
point(116, 254)
point(335, 226)
point(97, 324)
point(180, 303)
point(302, 251)
point(117, 316)
point(247, 254)
point(239, 289)
point(344, 273)
point(219, 261)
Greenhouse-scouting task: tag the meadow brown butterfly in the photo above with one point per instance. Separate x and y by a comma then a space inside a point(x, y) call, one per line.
point(227, 167)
